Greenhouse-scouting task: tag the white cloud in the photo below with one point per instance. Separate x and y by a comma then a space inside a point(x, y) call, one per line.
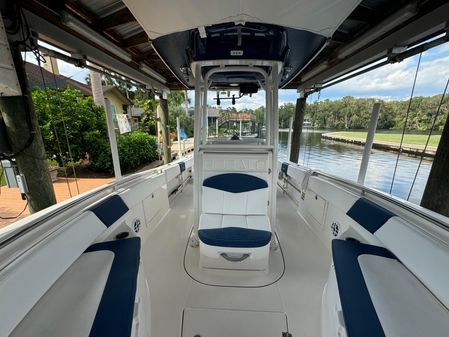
point(395, 81)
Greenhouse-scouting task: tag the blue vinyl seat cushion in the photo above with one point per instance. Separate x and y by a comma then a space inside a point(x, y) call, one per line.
point(182, 166)
point(235, 237)
point(110, 210)
point(360, 316)
point(116, 309)
point(235, 182)
point(369, 215)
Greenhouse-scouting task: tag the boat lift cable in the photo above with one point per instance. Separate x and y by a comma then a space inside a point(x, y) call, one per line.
point(67, 139)
point(39, 62)
point(405, 122)
point(428, 138)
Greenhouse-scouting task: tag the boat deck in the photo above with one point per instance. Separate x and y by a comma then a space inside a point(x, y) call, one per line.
point(296, 295)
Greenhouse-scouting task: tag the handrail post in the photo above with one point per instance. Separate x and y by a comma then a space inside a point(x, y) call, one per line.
point(112, 139)
point(369, 143)
point(178, 130)
point(289, 140)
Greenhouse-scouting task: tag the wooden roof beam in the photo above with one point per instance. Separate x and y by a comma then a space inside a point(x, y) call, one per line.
point(136, 39)
point(115, 19)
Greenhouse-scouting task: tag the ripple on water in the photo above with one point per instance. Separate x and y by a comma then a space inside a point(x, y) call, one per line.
point(344, 160)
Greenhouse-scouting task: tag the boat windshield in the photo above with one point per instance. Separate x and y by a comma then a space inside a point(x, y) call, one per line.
point(234, 118)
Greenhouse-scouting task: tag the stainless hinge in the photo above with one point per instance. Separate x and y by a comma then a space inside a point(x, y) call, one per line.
point(268, 202)
point(286, 334)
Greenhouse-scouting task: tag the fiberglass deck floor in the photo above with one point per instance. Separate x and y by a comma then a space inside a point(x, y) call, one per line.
point(297, 293)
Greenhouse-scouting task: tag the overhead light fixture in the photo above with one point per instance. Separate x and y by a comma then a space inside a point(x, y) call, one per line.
point(152, 73)
point(76, 25)
point(384, 27)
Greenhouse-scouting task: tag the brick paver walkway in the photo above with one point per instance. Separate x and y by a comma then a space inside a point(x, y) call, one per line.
point(12, 204)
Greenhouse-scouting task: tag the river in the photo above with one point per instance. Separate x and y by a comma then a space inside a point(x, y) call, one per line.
point(344, 160)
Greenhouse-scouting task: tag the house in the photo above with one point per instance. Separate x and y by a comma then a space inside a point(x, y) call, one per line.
point(136, 114)
point(213, 114)
point(119, 103)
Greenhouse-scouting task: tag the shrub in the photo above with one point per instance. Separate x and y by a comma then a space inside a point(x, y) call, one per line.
point(99, 151)
point(134, 149)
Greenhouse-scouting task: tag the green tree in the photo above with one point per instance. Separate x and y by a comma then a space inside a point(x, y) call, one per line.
point(176, 108)
point(286, 111)
point(66, 119)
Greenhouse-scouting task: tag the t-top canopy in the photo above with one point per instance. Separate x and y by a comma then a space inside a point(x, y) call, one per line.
point(160, 18)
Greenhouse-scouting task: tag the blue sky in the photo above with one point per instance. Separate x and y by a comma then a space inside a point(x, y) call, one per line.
point(390, 82)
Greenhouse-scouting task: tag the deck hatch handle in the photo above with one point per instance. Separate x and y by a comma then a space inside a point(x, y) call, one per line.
point(233, 258)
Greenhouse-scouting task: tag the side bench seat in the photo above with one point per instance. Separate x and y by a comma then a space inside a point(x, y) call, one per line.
point(116, 309)
point(95, 297)
point(380, 297)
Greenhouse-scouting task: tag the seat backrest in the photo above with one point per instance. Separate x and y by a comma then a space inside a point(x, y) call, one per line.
point(235, 193)
point(425, 255)
point(25, 281)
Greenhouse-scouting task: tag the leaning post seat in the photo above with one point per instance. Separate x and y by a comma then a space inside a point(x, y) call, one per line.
point(234, 229)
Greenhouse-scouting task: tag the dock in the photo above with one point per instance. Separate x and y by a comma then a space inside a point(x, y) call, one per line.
point(411, 149)
point(186, 148)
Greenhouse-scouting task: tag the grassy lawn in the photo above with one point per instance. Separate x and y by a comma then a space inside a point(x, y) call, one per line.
point(390, 137)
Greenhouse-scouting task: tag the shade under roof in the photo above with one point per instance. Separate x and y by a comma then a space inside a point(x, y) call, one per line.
point(160, 18)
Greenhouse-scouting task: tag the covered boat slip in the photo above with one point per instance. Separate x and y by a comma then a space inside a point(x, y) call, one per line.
point(230, 242)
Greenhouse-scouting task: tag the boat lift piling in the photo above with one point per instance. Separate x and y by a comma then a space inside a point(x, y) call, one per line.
point(22, 129)
point(297, 126)
point(369, 143)
point(436, 193)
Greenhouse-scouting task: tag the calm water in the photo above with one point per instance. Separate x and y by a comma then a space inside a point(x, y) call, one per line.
point(344, 160)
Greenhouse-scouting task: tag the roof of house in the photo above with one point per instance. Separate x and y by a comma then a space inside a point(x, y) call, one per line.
point(111, 88)
point(42, 78)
